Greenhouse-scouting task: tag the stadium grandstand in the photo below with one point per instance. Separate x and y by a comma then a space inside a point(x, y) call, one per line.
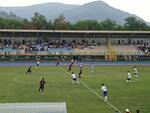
point(95, 45)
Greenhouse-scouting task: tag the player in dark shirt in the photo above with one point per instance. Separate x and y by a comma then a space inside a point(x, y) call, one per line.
point(42, 84)
point(80, 72)
point(29, 70)
point(58, 61)
point(70, 66)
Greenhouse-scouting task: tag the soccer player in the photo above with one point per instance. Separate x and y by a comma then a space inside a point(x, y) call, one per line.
point(58, 61)
point(80, 65)
point(135, 72)
point(72, 61)
point(137, 111)
point(129, 76)
point(70, 67)
point(127, 110)
point(117, 111)
point(42, 84)
point(29, 70)
point(74, 78)
point(38, 64)
point(80, 72)
point(104, 89)
point(92, 67)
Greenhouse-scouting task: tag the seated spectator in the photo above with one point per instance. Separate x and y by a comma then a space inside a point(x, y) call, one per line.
point(45, 45)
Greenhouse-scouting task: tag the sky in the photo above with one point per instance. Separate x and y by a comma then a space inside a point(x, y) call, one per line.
point(140, 8)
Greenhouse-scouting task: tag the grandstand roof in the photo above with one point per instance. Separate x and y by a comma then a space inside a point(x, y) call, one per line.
point(71, 31)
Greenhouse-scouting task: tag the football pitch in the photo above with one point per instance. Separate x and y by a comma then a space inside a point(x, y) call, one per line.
point(18, 87)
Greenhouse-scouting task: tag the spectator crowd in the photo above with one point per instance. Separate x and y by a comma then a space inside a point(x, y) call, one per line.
point(45, 45)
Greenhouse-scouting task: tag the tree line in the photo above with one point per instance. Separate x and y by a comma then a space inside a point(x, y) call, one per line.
point(39, 22)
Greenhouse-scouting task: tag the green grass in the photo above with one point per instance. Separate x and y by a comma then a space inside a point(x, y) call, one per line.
point(16, 86)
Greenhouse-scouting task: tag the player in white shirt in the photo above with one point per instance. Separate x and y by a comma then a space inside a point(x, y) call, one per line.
point(72, 61)
point(80, 65)
point(129, 76)
point(104, 89)
point(92, 67)
point(74, 78)
point(38, 64)
point(135, 72)
point(127, 110)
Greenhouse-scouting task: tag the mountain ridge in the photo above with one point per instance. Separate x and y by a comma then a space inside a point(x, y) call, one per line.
point(97, 10)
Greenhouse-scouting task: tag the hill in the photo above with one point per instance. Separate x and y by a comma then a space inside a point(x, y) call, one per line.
point(97, 10)
point(9, 15)
point(50, 10)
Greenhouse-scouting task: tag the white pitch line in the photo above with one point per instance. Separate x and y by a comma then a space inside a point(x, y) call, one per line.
point(84, 84)
point(19, 81)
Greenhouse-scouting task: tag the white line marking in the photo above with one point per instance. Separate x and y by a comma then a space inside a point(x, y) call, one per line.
point(84, 84)
point(19, 81)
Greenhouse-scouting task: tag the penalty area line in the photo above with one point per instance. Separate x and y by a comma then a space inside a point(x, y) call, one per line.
point(94, 92)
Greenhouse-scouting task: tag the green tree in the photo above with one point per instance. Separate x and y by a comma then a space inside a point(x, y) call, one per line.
point(26, 24)
point(39, 21)
point(108, 25)
point(10, 24)
point(49, 25)
point(2, 23)
point(119, 27)
point(86, 25)
point(61, 24)
point(132, 23)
